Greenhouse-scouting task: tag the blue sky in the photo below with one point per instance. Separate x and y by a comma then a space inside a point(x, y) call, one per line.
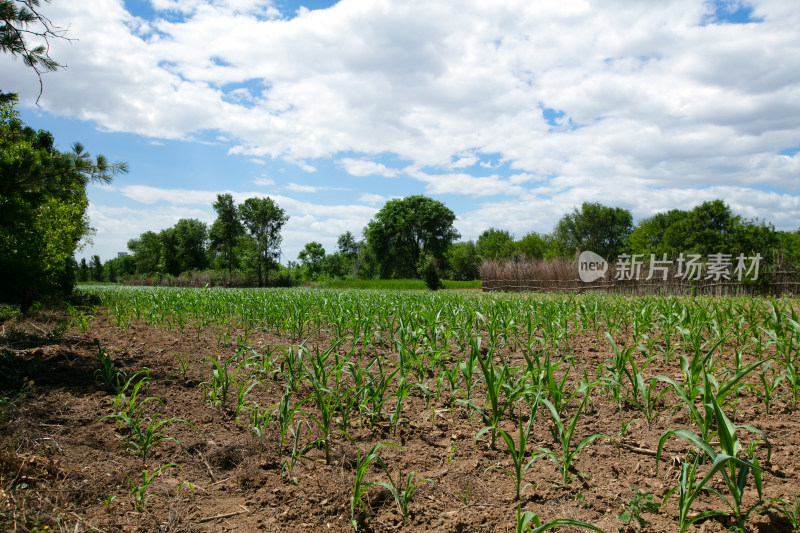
point(511, 113)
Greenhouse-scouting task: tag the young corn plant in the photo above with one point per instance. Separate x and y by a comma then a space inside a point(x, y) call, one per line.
point(223, 376)
point(517, 452)
point(287, 467)
point(327, 402)
point(501, 394)
point(145, 433)
point(139, 490)
point(563, 434)
point(360, 485)
point(524, 521)
point(733, 469)
point(128, 403)
point(112, 376)
point(403, 493)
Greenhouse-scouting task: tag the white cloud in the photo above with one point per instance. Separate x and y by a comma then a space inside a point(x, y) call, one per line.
point(297, 187)
point(633, 104)
point(372, 199)
point(264, 182)
point(361, 168)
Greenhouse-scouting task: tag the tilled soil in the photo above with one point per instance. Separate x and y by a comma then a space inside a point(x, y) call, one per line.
point(62, 465)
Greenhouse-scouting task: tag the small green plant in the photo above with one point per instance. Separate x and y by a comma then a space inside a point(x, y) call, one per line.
point(360, 485)
point(145, 432)
point(223, 376)
point(519, 466)
point(112, 376)
point(565, 454)
point(297, 452)
point(734, 470)
point(525, 519)
point(109, 503)
point(638, 503)
point(183, 364)
point(139, 490)
point(464, 495)
point(788, 509)
point(403, 494)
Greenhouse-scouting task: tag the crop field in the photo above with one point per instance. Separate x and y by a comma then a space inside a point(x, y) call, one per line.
point(161, 409)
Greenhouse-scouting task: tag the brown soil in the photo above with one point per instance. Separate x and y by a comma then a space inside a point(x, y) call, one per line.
point(61, 466)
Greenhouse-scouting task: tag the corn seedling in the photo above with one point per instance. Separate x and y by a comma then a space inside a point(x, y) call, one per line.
point(360, 485)
point(530, 522)
point(726, 462)
point(403, 493)
point(565, 454)
point(287, 467)
point(519, 466)
point(139, 490)
point(112, 376)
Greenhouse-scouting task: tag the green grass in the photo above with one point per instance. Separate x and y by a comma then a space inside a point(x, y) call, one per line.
point(395, 284)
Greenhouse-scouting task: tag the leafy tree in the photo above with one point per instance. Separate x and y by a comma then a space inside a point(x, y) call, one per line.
point(96, 268)
point(790, 244)
point(311, 256)
point(21, 20)
point(709, 228)
point(535, 246)
point(191, 236)
point(263, 220)
point(226, 230)
point(42, 208)
point(429, 271)
point(168, 262)
point(406, 229)
point(596, 227)
point(648, 237)
point(83, 270)
point(146, 252)
point(495, 244)
point(348, 246)
point(463, 260)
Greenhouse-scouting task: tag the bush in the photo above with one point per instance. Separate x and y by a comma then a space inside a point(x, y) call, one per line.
point(428, 268)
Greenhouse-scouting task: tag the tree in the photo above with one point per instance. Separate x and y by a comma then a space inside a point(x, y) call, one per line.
point(226, 230)
point(312, 256)
point(146, 252)
point(596, 227)
point(648, 237)
point(83, 270)
point(463, 260)
point(495, 244)
point(43, 206)
point(191, 236)
point(263, 220)
point(21, 19)
point(533, 246)
point(96, 268)
point(168, 256)
point(406, 229)
point(709, 228)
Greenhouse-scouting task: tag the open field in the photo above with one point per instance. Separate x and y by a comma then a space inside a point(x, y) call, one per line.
point(287, 410)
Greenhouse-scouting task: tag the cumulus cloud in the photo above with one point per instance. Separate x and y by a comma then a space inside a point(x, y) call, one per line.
point(362, 167)
point(644, 105)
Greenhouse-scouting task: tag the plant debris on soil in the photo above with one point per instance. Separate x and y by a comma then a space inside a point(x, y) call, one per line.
point(67, 464)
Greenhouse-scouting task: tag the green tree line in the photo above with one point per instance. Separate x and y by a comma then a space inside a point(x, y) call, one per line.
point(414, 237)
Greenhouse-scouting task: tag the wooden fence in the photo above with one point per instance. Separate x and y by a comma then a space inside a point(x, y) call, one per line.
point(561, 276)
